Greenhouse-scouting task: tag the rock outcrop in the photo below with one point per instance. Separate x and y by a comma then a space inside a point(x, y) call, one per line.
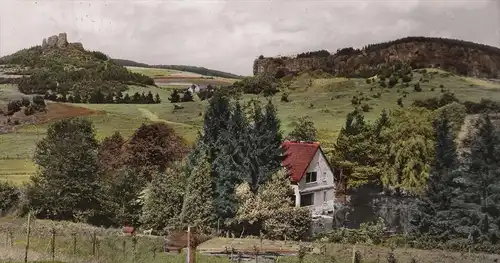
point(59, 41)
point(460, 57)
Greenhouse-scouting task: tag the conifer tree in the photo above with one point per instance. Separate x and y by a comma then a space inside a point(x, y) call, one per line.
point(127, 99)
point(157, 98)
point(478, 209)
point(198, 206)
point(432, 216)
point(149, 98)
point(230, 162)
point(174, 96)
point(263, 146)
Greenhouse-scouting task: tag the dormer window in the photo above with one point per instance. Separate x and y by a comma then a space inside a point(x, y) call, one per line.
point(311, 177)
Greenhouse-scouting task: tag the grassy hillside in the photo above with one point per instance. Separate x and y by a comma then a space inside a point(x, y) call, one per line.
point(69, 70)
point(193, 69)
point(166, 77)
point(325, 100)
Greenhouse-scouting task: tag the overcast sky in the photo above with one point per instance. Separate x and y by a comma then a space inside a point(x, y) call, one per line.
point(229, 35)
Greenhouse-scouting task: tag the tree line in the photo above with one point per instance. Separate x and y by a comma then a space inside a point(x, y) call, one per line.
point(153, 179)
point(98, 97)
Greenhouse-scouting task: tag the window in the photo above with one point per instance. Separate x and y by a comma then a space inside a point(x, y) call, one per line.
point(324, 196)
point(307, 199)
point(311, 177)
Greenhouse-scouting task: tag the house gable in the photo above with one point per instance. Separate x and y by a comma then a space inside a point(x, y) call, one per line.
point(299, 156)
point(324, 173)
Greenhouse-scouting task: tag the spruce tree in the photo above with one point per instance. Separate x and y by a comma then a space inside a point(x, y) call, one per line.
point(157, 99)
point(198, 206)
point(263, 146)
point(230, 163)
point(479, 202)
point(432, 216)
point(149, 98)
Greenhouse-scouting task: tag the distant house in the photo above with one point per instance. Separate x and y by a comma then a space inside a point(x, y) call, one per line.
point(196, 88)
point(311, 176)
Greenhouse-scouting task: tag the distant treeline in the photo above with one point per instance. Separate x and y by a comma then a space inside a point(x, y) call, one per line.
point(193, 69)
point(383, 45)
point(98, 97)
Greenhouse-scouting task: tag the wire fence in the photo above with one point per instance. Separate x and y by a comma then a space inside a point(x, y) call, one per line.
point(69, 242)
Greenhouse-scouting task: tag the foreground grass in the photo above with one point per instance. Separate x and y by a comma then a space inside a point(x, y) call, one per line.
point(326, 102)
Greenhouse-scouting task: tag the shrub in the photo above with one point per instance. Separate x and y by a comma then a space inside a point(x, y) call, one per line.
point(417, 87)
point(355, 100)
point(368, 81)
point(9, 197)
point(29, 111)
point(393, 81)
point(284, 97)
point(367, 233)
point(25, 102)
point(365, 107)
point(400, 102)
point(406, 78)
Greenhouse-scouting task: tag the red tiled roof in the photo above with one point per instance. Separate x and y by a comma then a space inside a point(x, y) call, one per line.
point(298, 155)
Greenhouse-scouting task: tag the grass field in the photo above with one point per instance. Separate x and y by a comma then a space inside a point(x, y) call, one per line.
point(74, 243)
point(326, 102)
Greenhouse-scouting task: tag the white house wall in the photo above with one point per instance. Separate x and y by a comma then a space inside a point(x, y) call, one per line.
point(324, 183)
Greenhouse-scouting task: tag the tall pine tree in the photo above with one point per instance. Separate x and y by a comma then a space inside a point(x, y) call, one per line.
point(432, 216)
point(478, 205)
point(229, 162)
point(198, 208)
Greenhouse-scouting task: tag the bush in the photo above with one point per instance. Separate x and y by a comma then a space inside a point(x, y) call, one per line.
point(284, 97)
point(406, 78)
point(25, 102)
point(367, 233)
point(29, 111)
point(393, 81)
point(9, 197)
point(400, 102)
point(13, 106)
point(417, 87)
point(365, 107)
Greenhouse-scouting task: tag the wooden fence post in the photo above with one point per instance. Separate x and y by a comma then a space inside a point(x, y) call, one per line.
point(74, 243)
point(134, 247)
point(93, 243)
point(53, 244)
point(11, 237)
point(27, 238)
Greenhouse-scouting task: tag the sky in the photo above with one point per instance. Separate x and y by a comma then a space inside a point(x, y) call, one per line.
point(229, 35)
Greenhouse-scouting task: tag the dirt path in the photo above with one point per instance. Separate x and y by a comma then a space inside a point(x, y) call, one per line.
point(153, 117)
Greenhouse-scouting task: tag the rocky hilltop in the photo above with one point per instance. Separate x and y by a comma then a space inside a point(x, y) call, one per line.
point(457, 56)
point(59, 41)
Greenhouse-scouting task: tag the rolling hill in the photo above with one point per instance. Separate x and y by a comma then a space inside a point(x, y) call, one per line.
point(321, 96)
point(456, 56)
point(199, 70)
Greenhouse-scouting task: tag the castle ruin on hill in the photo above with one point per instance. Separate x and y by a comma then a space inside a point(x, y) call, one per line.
point(59, 41)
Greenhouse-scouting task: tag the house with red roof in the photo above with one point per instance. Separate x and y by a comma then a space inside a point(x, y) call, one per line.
point(311, 176)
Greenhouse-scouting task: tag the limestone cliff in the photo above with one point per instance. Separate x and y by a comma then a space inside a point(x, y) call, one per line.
point(460, 57)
